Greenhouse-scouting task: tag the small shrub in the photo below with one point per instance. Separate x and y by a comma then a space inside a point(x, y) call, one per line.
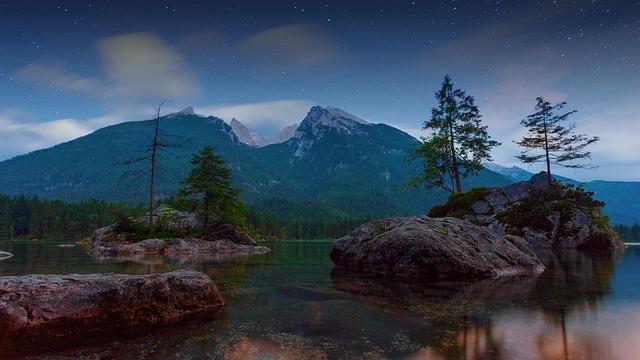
point(534, 210)
point(459, 204)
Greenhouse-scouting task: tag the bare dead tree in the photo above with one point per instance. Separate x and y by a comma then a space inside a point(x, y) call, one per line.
point(151, 156)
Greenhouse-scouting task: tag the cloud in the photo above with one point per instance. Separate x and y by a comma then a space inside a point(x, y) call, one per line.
point(135, 67)
point(266, 118)
point(296, 46)
point(21, 133)
point(143, 66)
point(57, 77)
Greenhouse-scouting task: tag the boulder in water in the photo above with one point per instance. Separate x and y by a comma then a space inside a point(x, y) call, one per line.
point(54, 311)
point(434, 249)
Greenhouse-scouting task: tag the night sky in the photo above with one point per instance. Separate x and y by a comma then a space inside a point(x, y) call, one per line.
point(70, 67)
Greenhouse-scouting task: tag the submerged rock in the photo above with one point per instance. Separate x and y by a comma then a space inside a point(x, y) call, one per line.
point(5, 255)
point(66, 310)
point(176, 247)
point(428, 248)
point(196, 246)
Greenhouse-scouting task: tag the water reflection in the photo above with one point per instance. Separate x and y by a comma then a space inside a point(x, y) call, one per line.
point(293, 304)
point(484, 319)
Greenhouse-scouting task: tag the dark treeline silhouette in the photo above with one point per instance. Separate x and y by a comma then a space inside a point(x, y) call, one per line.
point(628, 233)
point(23, 217)
point(271, 227)
point(32, 218)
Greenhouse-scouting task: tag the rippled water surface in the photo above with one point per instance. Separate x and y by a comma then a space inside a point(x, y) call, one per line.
point(292, 304)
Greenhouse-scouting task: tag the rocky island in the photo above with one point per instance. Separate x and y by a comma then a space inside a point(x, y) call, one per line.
point(61, 310)
point(420, 247)
point(122, 239)
point(546, 216)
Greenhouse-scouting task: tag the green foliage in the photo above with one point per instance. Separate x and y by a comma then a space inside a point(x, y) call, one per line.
point(208, 190)
point(533, 210)
point(459, 204)
point(133, 226)
point(459, 142)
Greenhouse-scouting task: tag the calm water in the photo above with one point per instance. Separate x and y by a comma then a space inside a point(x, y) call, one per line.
point(288, 304)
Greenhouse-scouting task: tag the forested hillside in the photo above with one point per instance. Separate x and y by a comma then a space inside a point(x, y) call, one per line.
point(337, 166)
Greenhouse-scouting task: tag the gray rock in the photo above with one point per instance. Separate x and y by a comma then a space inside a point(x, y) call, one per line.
point(149, 246)
point(481, 207)
point(199, 246)
point(516, 192)
point(100, 235)
point(174, 219)
point(5, 255)
point(485, 219)
point(497, 228)
point(540, 181)
point(496, 198)
point(428, 248)
point(56, 311)
point(537, 238)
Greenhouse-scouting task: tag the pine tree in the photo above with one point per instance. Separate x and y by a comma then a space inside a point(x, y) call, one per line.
point(549, 141)
point(459, 142)
point(208, 190)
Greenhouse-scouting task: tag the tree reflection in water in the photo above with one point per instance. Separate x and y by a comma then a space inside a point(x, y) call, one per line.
point(502, 318)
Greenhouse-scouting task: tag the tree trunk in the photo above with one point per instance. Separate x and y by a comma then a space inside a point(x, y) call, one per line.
point(546, 151)
point(454, 161)
point(154, 149)
point(205, 227)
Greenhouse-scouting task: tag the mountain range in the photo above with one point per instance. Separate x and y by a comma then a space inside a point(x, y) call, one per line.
point(333, 164)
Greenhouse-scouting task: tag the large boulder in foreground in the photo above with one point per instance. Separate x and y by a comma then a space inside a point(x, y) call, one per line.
point(54, 311)
point(546, 216)
point(433, 249)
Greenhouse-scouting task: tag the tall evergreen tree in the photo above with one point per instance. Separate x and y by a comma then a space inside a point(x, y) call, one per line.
point(458, 143)
point(549, 141)
point(208, 190)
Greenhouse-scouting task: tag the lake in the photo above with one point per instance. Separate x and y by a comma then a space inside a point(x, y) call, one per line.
point(292, 304)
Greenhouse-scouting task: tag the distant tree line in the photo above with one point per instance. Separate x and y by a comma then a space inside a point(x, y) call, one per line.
point(33, 218)
point(23, 217)
point(628, 233)
point(271, 227)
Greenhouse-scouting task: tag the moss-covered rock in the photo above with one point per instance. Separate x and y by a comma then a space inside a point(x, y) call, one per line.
point(547, 216)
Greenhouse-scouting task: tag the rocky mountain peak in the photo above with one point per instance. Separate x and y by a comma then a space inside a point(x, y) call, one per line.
point(320, 120)
point(331, 117)
point(186, 111)
point(245, 135)
point(248, 137)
